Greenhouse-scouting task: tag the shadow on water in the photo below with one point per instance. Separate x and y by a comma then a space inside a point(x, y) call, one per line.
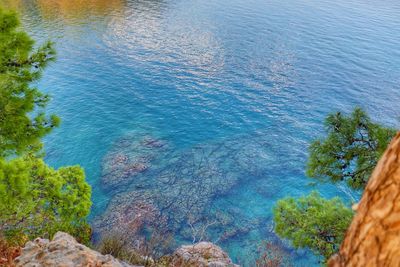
point(66, 10)
point(76, 12)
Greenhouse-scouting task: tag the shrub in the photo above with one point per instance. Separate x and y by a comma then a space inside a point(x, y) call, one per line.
point(36, 200)
point(119, 246)
point(8, 253)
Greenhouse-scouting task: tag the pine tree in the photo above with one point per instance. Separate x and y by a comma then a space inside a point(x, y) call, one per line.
point(348, 153)
point(22, 118)
point(351, 149)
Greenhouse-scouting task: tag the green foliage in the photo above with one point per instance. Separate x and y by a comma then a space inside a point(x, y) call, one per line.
point(36, 200)
point(349, 152)
point(351, 149)
point(313, 222)
point(22, 119)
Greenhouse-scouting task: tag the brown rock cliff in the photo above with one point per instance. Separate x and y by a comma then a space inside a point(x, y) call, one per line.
point(373, 238)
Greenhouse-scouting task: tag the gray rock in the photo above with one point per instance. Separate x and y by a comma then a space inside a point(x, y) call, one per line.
point(63, 251)
point(203, 254)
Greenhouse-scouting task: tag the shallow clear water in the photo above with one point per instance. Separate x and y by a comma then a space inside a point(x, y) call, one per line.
point(251, 80)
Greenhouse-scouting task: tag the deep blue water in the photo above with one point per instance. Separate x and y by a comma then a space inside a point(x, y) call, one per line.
point(252, 80)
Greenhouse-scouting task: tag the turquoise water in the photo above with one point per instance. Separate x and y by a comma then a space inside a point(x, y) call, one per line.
point(232, 92)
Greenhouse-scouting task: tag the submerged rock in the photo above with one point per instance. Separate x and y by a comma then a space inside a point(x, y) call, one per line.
point(177, 196)
point(63, 251)
point(129, 156)
point(191, 193)
point(130, 214)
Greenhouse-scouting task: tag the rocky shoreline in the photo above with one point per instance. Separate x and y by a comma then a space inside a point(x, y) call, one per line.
point(65, 251)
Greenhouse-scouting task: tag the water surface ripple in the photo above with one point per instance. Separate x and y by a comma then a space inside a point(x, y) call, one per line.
point(227, 94)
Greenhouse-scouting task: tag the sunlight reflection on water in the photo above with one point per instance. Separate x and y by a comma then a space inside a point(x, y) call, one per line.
point(253, 77)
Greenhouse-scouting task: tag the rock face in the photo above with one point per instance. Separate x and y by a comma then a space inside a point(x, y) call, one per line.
point(63, 251)
point(373, 238)
point(203, 254)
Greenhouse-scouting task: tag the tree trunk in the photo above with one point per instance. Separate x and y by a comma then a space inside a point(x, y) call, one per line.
point(373, 238)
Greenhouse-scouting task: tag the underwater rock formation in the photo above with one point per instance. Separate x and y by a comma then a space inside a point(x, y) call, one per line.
point(63, 251)
point(131, 214)
point(128, 157)
point(179, 193)
point(373, 238)
point(191, 193)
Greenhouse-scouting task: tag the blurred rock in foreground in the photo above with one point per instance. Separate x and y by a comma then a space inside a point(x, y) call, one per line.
point(373, 238)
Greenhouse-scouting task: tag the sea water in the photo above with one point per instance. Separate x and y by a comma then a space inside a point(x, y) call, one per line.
point(223, 96)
